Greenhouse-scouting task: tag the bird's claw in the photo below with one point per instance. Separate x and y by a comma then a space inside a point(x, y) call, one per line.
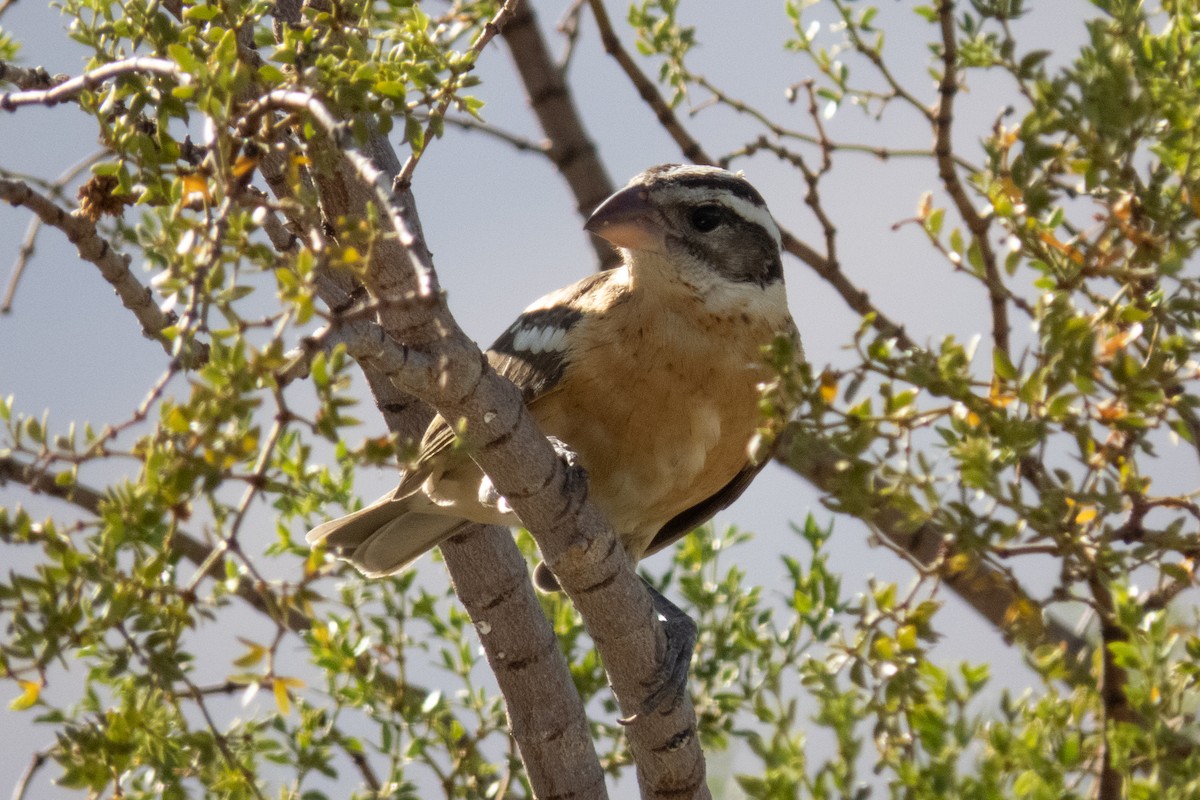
point(667, 690)
point(565, 452)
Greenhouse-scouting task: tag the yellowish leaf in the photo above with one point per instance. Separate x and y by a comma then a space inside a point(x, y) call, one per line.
point(1121, 208)
point(1010, 189)
point(1021, 611)
point(925, 206)
point(30, 690)
point(195, 185)
point(1193, 202)
point(282, 701)
point(1067, 250)
point(1120, 340)
point(829, 386)
point(1085, 514)
point(1111, 410)
point(957, 563)
point(255, 653)
point(998, 397)
point(243, 166)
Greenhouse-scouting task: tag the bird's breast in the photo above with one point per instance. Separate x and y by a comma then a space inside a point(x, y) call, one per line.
point(660, 409)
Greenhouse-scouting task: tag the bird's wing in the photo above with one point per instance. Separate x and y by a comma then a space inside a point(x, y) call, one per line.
point(687, 521)
point(532, 354)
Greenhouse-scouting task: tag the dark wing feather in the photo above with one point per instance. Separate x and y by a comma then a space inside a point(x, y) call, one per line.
point(687, 521)
point(534, 374)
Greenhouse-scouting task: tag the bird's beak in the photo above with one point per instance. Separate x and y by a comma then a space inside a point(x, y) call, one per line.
point(627, 219)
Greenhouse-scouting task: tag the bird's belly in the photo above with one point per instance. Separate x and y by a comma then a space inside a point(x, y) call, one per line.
point(656, 434)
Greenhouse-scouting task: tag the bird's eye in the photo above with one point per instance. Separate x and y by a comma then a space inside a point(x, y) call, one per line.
point(706, 218)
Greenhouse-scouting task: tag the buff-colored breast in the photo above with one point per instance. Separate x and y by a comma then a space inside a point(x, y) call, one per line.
point(659, 416)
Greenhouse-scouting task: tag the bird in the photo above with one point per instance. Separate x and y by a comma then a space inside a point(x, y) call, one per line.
point(647, 374)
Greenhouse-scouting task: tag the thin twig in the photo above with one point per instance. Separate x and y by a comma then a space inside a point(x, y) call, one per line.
point(490, 29)
point(29, 242)
point(70, 89)
point(90, 500)
point(691, 149)
point(873, 55)
point(943, 120)
point(197, 697)
point(520, 143)
point(569, 28)
point(31, 770)
point(113, 266)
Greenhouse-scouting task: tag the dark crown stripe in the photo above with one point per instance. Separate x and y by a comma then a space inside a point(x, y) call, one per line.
point(715, 181)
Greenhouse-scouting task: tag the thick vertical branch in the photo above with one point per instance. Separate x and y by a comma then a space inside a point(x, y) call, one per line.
point(572, 151)
point(1114, 704)
point(552, 732)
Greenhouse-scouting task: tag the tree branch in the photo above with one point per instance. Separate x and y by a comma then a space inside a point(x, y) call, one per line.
point(113, 266)
point(30, 241)
point(36, 762)
point(70, 89)
point(571, 149)
point(691, 149)
point(519, 143)
point(553, 733)
point(943, 149)
point(1115, 706)
point(28, 78)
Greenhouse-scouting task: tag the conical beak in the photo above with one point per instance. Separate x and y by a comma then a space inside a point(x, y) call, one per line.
point(627, 219)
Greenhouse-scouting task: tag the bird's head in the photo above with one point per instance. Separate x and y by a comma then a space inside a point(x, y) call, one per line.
point(701, 218)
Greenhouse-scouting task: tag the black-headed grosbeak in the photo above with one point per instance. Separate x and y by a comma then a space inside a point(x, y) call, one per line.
point(649, 372)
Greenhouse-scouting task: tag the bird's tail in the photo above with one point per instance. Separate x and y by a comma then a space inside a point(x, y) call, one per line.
point(386, 536)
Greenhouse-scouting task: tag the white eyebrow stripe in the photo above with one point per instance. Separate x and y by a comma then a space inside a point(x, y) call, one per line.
point(738, 205)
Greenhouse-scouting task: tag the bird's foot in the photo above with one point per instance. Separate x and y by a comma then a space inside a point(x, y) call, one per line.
point(668, 688)
point(565, 452)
